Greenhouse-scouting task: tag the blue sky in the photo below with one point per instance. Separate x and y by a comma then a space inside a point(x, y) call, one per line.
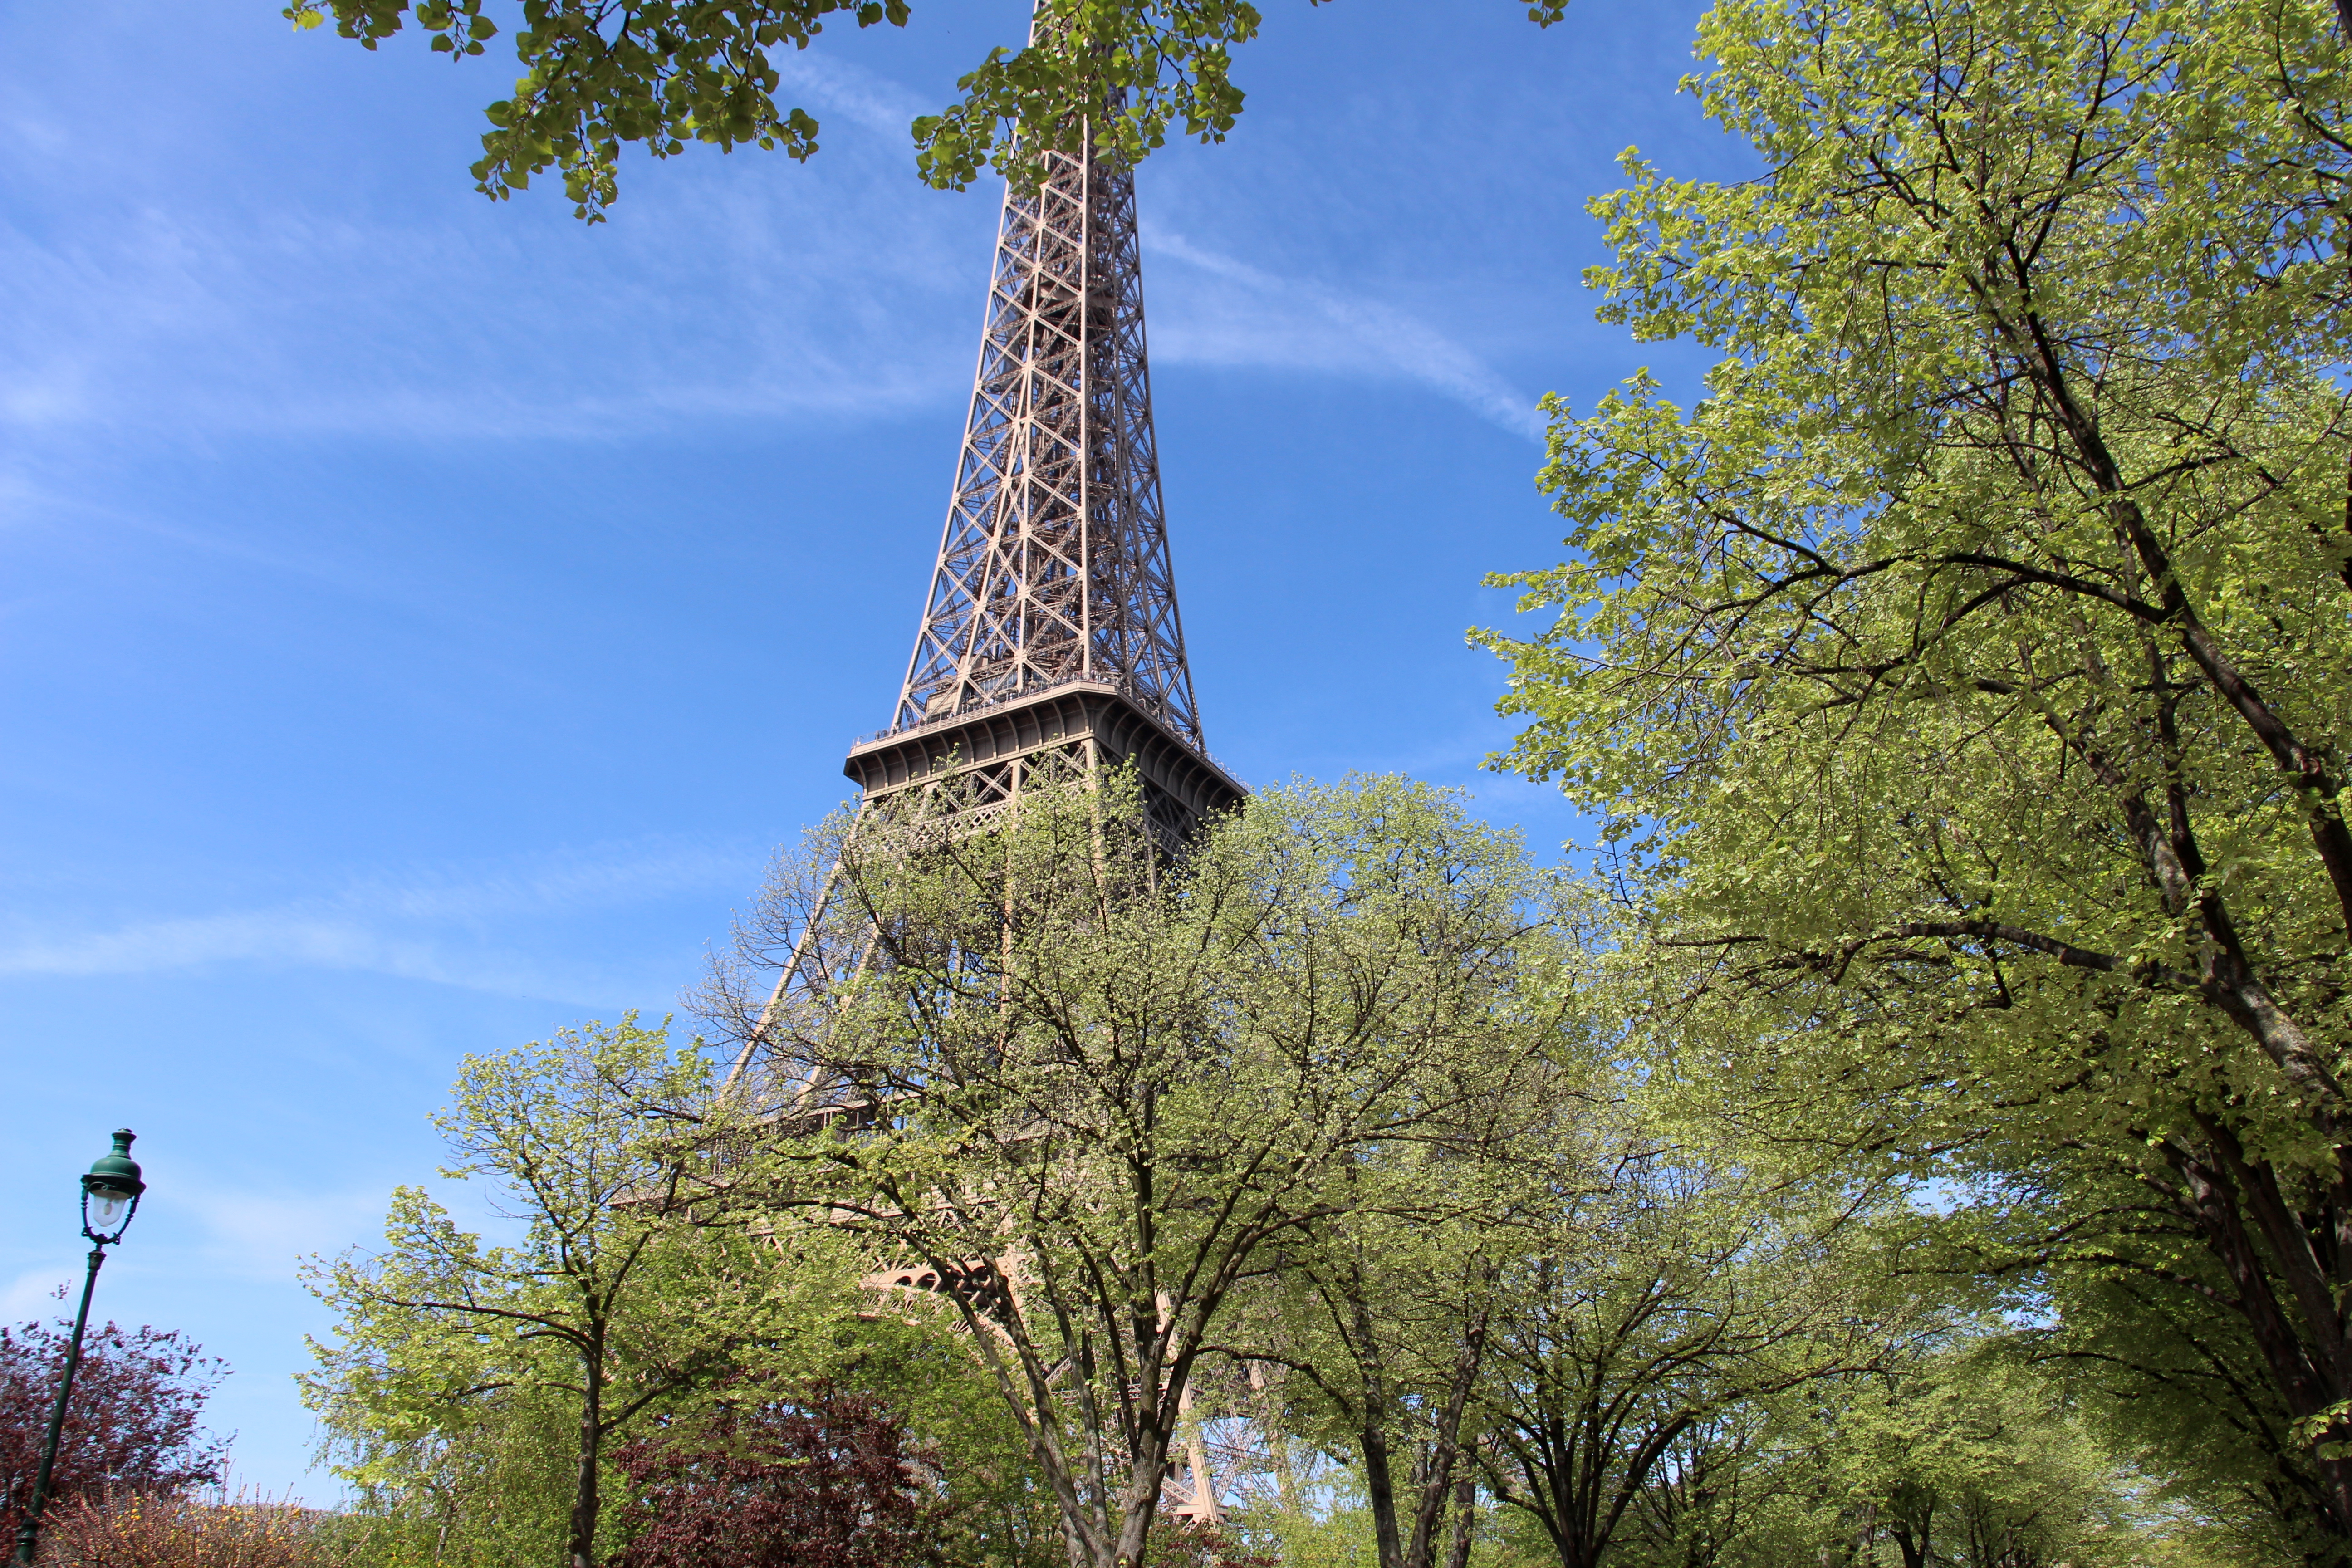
point(421, 618)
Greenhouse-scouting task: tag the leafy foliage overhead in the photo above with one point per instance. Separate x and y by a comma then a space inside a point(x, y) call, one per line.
point(666, 73)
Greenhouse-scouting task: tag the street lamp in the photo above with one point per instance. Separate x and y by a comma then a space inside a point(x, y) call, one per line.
point(110, 1196)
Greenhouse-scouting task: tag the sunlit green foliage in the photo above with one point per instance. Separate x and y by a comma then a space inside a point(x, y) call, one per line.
point(1100, 1091)
point(1967, 679)
point(460, 1365)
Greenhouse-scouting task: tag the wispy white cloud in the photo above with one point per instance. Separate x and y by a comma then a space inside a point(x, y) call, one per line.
point(297, 935)
point(437, 924)
point(612, 878)
point(744, 287)
point(246, 334)
point(1226, 311)
point(830, 86)
point(841, 289)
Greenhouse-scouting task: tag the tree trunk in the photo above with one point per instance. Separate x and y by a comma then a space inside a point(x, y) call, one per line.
point(1435, 1480)
point(580, 1543)
point(2309, 1381)
point(1142, 1503)
point(1466, 1501)
point(1380, 1489)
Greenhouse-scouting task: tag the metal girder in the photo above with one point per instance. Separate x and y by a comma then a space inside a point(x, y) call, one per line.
point(1050, 644)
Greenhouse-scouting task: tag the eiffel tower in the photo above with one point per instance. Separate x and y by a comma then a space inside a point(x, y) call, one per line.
point(1050, 643)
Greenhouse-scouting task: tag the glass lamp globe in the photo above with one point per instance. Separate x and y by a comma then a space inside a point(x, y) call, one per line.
point(107, 1206)
point(112, 1187)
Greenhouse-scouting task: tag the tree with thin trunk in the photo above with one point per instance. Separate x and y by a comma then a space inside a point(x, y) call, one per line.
point(1382, 1320)
point(1670, 1292)
point(613, 1302)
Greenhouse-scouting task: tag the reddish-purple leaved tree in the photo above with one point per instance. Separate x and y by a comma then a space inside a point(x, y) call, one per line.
point(1179, 1544)
point(133, 1425)
point(817, 1479)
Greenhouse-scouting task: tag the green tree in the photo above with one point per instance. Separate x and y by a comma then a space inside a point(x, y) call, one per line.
point(667, 73)
point(1384, 1316)
point(1963, 679)
point(1976, 1456)
point(474, 1483)
point(1970, 1461)
point(1668, 1296)
point(1085, 1093)
point(997, 1512)
point(2168, 1366)
point(460, 1364)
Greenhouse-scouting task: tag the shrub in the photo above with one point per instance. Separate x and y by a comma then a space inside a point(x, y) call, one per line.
point(131, 1426)
point(1179, 1544)
point(163, 1531)
point(819, 1480)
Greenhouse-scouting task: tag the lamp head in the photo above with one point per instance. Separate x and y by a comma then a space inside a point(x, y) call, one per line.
point(110, 1191)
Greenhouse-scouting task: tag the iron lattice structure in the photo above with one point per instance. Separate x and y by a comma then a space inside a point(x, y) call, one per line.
point(1050, 639)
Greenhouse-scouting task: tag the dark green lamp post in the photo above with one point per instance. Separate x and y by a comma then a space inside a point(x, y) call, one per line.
point(110, 1196)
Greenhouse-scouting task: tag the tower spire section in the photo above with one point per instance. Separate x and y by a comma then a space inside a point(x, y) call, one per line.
point(1053, 564)
point(1050, 637)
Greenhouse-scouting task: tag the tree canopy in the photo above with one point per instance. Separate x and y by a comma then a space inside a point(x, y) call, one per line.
point(1964, 677)
point(1086, 1094)
point(611, 1305)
